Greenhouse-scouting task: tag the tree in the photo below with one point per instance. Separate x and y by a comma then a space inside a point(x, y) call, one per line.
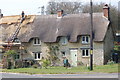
point(53, 54)
point(9, 57)
point(99, 8)
point(68, 7)
point(77, 7)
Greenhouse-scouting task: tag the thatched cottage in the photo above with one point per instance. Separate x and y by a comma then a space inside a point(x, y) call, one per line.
point(63, 35)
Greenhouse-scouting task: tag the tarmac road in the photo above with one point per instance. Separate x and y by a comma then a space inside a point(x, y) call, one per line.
point(90, 75)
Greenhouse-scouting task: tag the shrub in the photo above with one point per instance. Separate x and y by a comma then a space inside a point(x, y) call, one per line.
point(110, 62)
point(35, 66)
point(45, 63)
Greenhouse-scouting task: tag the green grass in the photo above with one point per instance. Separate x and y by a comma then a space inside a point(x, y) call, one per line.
point(107, 68)
point(62, 70)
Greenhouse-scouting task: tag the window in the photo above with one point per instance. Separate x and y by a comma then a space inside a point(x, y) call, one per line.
point(85, 52)
point(63, 53)
point(17, 56)
point(85, 39)
point(37, 55)
point(64, 40)
point(16, 40)
point(36, 41)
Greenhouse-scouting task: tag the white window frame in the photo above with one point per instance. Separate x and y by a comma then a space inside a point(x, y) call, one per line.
point(36, 54)
point(85, 52)
point(36, 41)
point(64, 40)
point(85, 39)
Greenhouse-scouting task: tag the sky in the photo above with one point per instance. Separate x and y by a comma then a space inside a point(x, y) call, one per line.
point(31, 7)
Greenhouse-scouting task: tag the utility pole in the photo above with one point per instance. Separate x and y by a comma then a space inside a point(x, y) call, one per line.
point(91, 36)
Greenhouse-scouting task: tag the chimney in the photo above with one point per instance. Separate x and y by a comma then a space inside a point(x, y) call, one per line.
point(1, 15)
point(106, 11)
point(60, 13)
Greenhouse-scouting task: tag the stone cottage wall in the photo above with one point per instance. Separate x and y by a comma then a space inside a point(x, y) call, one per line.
point(98, 52)
point(108, 45)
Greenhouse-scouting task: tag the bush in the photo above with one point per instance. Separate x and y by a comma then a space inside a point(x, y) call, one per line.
point(45, 63)
point(110, 62)
point(35, 66)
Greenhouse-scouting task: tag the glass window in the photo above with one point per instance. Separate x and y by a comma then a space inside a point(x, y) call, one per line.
point(85, 39)
point(36, 41)
point(36, 55)
point(85, 52)
point(17, 56)
point(63, 53)
point(64, 40)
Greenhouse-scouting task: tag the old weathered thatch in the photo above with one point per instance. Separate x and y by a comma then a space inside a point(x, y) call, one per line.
point(48, 27)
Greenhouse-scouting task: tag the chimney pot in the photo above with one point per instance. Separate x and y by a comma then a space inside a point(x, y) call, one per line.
point(106, 11)
point(60, 13)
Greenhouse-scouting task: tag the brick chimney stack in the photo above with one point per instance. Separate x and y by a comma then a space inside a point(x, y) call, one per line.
point(59, 13)
point(106, 11)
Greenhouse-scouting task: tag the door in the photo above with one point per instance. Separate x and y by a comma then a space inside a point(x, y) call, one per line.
point(74, 57)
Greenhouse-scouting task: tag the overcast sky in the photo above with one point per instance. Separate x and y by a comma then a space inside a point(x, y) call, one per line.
point(14, 7)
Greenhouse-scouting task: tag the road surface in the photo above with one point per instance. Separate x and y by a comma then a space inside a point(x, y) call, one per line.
point(90, 75)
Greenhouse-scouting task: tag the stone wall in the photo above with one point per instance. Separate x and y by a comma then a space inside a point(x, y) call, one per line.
point(108, 45)
point(98, 52)
point(98, 56)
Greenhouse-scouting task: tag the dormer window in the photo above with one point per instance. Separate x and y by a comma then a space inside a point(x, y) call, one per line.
point(16, 40)
point(36, 41)
point(85, 39)
point(64, 40)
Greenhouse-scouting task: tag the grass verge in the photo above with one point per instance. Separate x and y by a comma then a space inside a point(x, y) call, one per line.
point(62, 70)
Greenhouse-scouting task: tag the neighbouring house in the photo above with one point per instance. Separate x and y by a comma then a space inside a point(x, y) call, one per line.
point(68, 35)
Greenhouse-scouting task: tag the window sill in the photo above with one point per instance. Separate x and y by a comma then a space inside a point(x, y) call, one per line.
point(85, 43)
point(63, 56)
point(16, 59)
point(37, 44)
point(85, 56)
point(64, 44)
point(37, 59)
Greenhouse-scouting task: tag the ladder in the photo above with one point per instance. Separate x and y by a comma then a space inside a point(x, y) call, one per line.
point(12, 38)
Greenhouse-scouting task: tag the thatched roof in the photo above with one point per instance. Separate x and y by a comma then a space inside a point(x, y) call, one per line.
point(48, 27)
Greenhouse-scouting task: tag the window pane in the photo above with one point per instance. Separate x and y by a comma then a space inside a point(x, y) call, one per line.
point(34, 40)
point(83, 52)
point(83, 38)
point(86, 52)
point(38, 41)
point(38, 55)
point(64, 40)
point(63, 53)
point(35, 55)
point(18, 56)
point(87, 39)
